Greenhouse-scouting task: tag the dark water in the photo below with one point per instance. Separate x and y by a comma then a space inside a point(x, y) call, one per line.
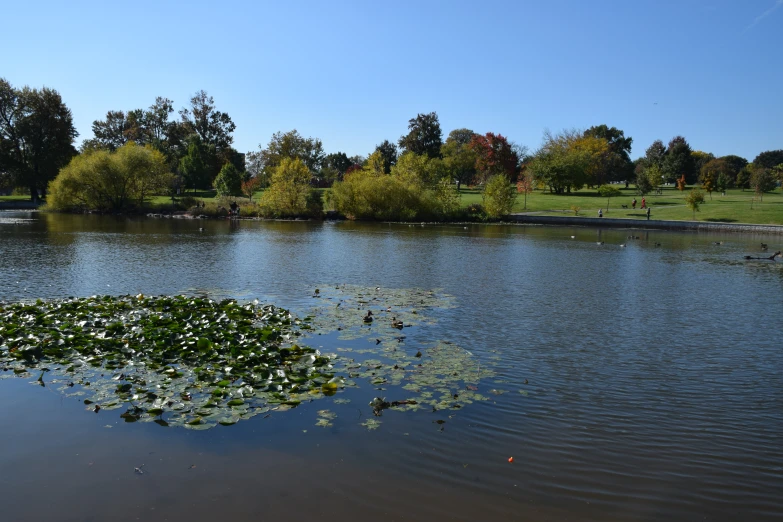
point(654, 378)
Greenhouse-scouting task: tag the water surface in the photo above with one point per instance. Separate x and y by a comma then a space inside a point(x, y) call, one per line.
point(633, 383)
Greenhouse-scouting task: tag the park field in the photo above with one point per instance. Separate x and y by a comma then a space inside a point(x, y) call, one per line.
point(737, 206)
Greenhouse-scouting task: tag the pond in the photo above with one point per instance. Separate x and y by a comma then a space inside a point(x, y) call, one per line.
point(577, 378)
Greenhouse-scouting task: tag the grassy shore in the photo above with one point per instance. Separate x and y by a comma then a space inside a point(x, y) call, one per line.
point(737, 206)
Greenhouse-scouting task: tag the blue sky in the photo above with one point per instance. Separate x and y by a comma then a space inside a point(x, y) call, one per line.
point(353, 73)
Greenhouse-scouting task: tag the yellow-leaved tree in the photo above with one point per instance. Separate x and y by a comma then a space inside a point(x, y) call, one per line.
point(289, 193)
point(105, 181)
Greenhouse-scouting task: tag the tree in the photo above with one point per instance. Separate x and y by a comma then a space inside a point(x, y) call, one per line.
point(743, 177)
point(734, 164)
point(424, 135)
point(115, 131)
point(608, 191)
point(722, 183)
point(193, 167)
point(715, 170)
point(338, 161)
point(228, 181)
point(460, 136)
point(762, 180)
point(107, 181)
point(655, 153)
point(499, 196)
point(36, 136)
point(700, 159)
point(596, 156)
point(559, 164)
point(681, 183)
point(250, 187)
point(693, 200)
point(769, 159)
point(292, 145)
point(458, 157)
point(388, 151)
point(214, 128)
point(643, 183)
point(289, 193)
point(679, 161)
point(525, 184)
point(494, 155)
point(616, 165)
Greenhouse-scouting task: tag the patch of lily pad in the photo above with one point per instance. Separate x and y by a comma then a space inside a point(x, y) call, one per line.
point(199, 362)
point(175, 360)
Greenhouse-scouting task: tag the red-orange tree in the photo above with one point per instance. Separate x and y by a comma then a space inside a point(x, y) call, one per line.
point(494, 155)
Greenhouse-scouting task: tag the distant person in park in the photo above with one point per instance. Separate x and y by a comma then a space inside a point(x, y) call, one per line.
point(600, 212)
point(633, 204)
point(648, 213)
point(234, 209)
point(644, 203)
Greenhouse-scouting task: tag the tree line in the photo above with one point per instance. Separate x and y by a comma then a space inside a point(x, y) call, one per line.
point(193, 150)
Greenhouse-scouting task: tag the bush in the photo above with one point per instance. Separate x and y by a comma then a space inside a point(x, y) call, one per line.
point(106, 181)
point(406, 194)
point(499, 196)
point(289, 193)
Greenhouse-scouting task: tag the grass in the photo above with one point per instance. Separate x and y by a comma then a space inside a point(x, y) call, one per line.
point(734, 207)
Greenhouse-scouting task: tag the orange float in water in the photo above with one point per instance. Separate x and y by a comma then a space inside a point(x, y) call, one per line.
point(511, 459)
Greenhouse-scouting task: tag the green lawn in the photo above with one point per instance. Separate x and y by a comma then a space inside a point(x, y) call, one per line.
point(734, 207)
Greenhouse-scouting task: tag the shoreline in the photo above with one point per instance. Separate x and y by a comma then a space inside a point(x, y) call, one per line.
point(654, 224)
point(512, 219)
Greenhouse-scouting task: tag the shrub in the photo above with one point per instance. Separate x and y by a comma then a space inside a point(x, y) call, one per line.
point(499, 196)
point(289, 193)
point(107, 181)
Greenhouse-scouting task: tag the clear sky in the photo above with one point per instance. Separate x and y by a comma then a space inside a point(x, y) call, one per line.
point(354, 73)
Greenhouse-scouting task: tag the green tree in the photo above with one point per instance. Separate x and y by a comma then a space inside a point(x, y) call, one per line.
point(213, 127)
point(292, 145)
point(193, 166)
point(609, 191)
point(762, 180)
point(693, 200)
point(36, 136)
point(700, 159)
point(743, 177)
point(560, 164)
point(458, 157)
point(338, 161)
point(655, 154)
point(115, 131)
point(106, 181)
point(679, 161)
point(616, 164)
point(289, 193)
point(769, 159)
point(388, 152)
point(643, 183)
point(499, 196)
point(228, 181)
point(722, 182)
point(424, 135)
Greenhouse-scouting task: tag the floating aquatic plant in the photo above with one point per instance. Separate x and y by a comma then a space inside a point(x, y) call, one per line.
point(197, 362)
point(188, 361)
